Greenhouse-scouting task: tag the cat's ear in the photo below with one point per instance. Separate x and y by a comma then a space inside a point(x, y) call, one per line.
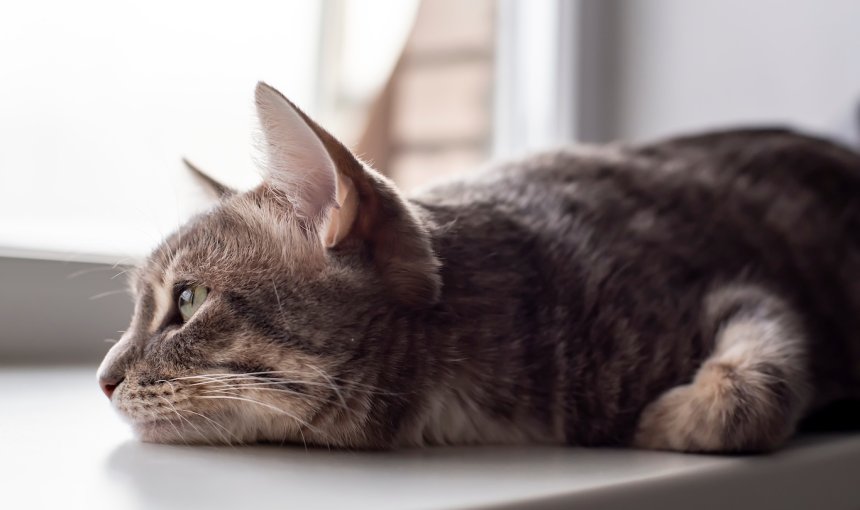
point(348, 202)
point(214, 187)
point(303, 169)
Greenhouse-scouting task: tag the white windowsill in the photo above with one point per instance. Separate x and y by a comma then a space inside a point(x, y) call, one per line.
point(63, 447)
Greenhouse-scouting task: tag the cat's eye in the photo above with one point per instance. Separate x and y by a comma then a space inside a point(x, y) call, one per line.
point(190, 299)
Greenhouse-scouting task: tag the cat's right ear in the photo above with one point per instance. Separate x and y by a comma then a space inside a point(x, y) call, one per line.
point(306, 166)
point(344, 201)
point(214, 187)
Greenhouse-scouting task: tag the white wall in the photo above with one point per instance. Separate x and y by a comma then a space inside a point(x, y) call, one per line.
point(672, 65)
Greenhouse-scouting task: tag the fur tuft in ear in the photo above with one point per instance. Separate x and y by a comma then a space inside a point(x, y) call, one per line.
point(298, 166)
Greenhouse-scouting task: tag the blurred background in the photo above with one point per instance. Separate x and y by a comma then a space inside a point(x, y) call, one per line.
point(99, 101)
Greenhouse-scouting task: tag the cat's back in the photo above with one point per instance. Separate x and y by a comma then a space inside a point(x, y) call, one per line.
point(757, 178)
point(733, 158)
point(711, 207)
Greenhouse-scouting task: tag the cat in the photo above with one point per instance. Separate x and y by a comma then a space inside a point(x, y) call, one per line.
point(699, 294)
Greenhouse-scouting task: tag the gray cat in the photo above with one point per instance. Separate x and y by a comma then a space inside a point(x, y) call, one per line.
point(697, 294)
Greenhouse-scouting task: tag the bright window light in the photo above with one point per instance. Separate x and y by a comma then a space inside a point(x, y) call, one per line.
point(99, 100)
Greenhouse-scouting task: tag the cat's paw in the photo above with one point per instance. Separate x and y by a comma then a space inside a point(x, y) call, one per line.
point(727, 408)
point(669, 423)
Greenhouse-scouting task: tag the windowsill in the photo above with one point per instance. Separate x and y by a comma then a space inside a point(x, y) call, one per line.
point(63, 447)
point(12, 251)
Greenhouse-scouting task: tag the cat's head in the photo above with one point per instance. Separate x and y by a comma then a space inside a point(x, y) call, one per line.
point(261, 320)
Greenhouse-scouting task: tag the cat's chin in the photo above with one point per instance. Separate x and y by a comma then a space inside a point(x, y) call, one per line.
point(175, 431)
point(162, 430)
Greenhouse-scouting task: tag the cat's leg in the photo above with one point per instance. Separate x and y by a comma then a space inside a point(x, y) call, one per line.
point(752, 390)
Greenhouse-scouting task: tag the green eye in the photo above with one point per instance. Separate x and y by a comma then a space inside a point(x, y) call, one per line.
point(190, 300)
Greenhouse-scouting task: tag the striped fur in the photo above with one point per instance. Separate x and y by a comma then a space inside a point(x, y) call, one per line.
point(699, 293)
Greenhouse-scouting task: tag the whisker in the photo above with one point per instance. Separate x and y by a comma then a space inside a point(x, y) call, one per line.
point(176, 429)
point(108, 293)
point(124, 271)
point(215, 423)
point(304, 396)
point(206, 381)
point(268, 381)
point(88, 270)
point(269, 406)
point(265, 388)
point(331, 383)
point(260, 383)
point(257, 375)
point(173, 389)
point(277, 296)
point(302, 434)
point(173, 407)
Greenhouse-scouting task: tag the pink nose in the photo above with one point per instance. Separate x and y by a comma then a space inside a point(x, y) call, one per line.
point(109, 384)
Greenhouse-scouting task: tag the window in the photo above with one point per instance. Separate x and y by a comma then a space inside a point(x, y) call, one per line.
point(99, 101)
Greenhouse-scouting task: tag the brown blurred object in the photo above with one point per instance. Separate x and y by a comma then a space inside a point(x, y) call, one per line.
point(433, 118)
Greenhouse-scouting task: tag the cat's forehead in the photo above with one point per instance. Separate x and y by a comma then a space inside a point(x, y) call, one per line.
point(242, 236)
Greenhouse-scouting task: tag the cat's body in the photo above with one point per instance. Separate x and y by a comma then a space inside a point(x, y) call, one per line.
point(697, 294)
point(575, 282)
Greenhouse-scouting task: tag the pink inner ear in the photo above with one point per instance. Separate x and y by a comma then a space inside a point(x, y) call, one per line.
point(298, 165)
point(342, 217)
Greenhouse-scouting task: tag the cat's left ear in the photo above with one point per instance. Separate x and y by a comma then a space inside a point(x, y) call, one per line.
point(215, 188)
point(307, 169)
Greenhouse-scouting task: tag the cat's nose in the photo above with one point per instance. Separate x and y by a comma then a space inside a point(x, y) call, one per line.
point(109, 384)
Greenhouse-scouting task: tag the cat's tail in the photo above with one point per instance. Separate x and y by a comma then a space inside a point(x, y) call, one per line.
point(854, 134)
point(856, 144)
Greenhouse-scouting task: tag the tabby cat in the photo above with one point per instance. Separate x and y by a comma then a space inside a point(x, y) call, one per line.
point(696, 294)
